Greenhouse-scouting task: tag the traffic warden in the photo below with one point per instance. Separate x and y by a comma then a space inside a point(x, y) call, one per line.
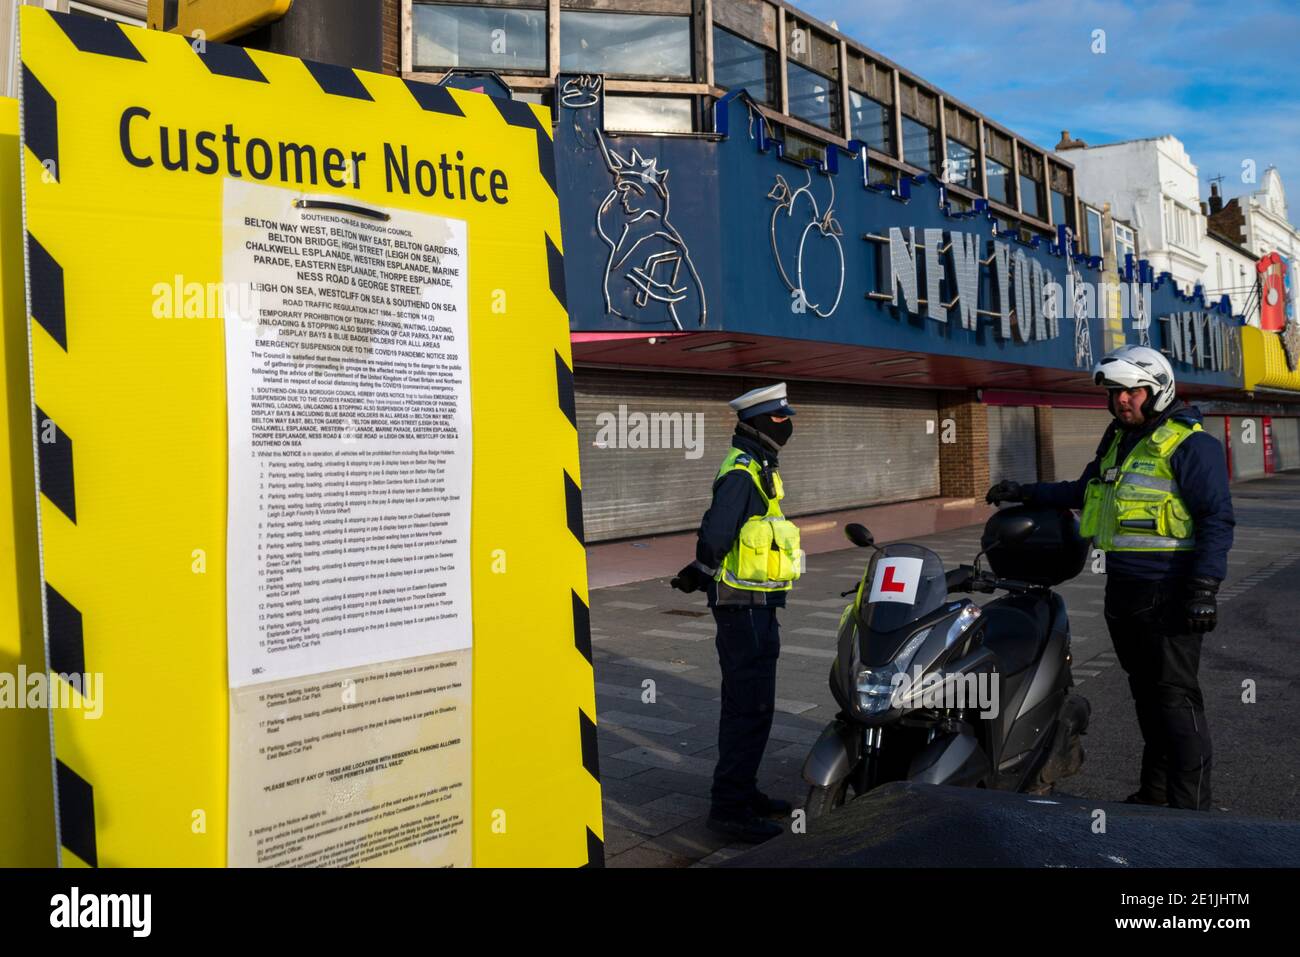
point(1156, 501)
point(747, 557)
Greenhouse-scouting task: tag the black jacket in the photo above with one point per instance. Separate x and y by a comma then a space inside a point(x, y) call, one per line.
point(1201, 472)
point(735, 499)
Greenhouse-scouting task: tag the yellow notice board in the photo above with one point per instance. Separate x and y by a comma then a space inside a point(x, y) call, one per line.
point(217, 19)
point(26, 805)
point(178, 200)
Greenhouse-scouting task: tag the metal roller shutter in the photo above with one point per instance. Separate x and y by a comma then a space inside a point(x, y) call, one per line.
point(1247, 456)
point(1013, 443)
point(859, 445)
point(853, 446)
point(1286, 443)
point(1075, 435)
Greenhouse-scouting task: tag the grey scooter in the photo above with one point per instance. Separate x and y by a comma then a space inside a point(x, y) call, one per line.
point(948, 692)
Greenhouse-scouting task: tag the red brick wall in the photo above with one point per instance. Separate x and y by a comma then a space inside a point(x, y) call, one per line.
point(1229, 222)
point(963, 463)
point(392, 36)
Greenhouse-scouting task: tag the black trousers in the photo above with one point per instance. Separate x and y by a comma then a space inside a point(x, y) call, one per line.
point(748, 642)
point(1161, 656)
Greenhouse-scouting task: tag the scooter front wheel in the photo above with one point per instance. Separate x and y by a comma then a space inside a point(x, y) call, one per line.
point(822, 800)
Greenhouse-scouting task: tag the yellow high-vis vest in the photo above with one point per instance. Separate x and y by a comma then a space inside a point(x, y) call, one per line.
point(1136, 507)
point(766, 554)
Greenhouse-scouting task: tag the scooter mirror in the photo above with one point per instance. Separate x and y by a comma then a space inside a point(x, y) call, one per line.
point(859, 535)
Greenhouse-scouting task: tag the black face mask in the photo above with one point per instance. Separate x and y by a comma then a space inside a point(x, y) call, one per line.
point(778, 432)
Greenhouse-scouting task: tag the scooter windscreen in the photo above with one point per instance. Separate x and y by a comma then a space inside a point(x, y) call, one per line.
point(904, 583)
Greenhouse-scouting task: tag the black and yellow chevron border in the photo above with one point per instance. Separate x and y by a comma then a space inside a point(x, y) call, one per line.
point(566, 396)
point(64, 634)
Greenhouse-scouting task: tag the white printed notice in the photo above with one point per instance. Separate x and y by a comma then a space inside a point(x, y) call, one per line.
point(347, 373)
point(365, 767)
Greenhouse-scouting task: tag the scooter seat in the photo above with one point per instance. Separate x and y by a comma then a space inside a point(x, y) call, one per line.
point(1015, 630)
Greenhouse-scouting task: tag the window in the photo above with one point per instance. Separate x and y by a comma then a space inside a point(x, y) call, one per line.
point(873, 122)
point(961, 149)
point(1031, 197)
point(803, 149)
point(961, 165)
point(880, 174)
point(509, 39)
point(920, 110)
point(740, 64)
point(625, 44)
point(1092, 230)
point(999, 182)
point(997, 153)
point(1180, 225)
point(1031, 184)
point(1061, 209)
point(918, 144)
point(813, 97)
point(1125, 244)
point(648, 114)
point(1062, 194)
point(871, 102)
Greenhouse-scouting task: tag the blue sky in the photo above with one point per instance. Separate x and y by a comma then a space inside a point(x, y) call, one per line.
point(1222, 77)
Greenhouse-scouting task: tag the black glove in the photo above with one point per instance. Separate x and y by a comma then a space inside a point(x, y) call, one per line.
point(691, 578)
point(1005, 492)
point(1202, 609)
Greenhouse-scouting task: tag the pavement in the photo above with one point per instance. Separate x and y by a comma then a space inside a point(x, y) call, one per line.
point(657, 687)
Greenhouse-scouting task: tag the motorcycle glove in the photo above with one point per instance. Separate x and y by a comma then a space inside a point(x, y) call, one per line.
point(1202, 607)
point(1005, 491)
point(691, 578)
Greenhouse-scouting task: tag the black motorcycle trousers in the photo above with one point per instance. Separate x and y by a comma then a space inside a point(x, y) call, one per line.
point(748, 643)
point(1148, 626)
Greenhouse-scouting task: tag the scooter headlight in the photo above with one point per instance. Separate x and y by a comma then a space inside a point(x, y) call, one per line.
point(876, 686)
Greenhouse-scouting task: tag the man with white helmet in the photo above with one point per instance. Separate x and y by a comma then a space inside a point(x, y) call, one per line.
point(1156, 500)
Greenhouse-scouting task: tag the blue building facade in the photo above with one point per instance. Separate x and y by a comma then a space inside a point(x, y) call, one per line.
point(724, 234)
point(700, 265)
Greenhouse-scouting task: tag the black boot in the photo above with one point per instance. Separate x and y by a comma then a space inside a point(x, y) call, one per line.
point(765, 806)
point(749, 828)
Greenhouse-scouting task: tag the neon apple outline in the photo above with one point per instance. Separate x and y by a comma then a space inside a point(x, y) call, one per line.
point(824, 223)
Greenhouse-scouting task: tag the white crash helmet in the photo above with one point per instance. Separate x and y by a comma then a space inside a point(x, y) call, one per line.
point(1129, 367)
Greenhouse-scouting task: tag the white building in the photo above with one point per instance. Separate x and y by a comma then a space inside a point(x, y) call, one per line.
point(1153, 184)
point(1260, 221)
